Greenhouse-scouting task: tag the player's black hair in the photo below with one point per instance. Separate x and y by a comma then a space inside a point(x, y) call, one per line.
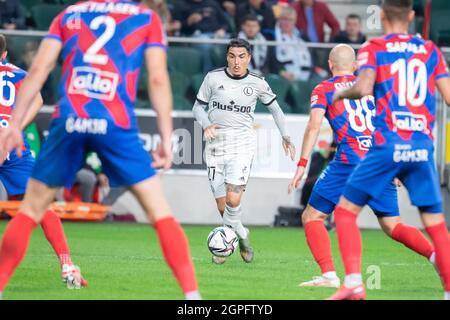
point(239, 43)
point(249, 17)
point(397, 10)
point(2, 43)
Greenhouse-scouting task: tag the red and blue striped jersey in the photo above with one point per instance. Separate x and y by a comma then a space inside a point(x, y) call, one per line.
point(103, 50)
point(11, 78)
point(407, 68)
point(350, 120)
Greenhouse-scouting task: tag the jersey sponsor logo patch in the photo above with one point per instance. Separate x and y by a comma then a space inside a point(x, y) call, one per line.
point(93, 83)
point(409, 121)
point(232, 106)
point(221, 87)
point(314, 99)
point(364, 142)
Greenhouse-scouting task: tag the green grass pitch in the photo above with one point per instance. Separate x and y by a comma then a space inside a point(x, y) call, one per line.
point(123, 261)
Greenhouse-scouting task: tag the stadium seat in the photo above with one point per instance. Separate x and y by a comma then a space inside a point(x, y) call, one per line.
point(28, 4)
point(218, 56)
point(180, 83)
point(181, 103)
point(299, 96)
point(280, 87)
point(185, 60)
point(440, 11)
point(69, 2)
point(43, 14)
point(196, 82)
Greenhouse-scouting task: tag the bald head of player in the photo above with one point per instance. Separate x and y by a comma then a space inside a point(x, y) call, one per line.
point(3, 52)
point(342, 60)
point(238, 57)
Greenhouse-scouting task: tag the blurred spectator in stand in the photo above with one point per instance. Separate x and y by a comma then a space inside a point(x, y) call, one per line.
point(172, 27)
point(12, 15)
point(292, 60)
point(29, 52)
point(312, 15)
point(352, 33)
point(262, 11)
point(202, 19)
point(230, 7)
point(250, 31)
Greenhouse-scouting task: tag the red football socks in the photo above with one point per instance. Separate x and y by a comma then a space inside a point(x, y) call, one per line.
point(54, 232)
point(319, 243)
point(441, 240)
point(14, 245)
point(175, 248)
point(413, 239)
point(349, 239)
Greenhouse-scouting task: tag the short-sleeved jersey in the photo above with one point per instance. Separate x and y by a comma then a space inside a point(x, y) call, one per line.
point(11, 78)
point(232, 100)
point(407, 68)
point(103, 49)
point(350, 120)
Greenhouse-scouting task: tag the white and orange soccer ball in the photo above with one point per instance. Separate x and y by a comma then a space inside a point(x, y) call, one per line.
point(222, 241)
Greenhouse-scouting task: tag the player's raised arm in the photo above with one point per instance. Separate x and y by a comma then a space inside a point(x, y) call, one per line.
point(443, 85)
point(442, 77)
point(160, 94)
point(309, 140)
point(278, 117)
point(269, 99)
point(43, 64)
point(34, 108)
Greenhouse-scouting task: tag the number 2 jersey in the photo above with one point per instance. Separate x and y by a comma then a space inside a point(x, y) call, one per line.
point(407, 68)
point(11, 78)
point(351, 120)
point(103, 49)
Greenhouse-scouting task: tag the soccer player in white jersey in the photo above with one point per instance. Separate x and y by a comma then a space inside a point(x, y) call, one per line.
point(230, 95)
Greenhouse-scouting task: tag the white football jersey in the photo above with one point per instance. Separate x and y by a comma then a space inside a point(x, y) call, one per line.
point(231, 104)
point(232, 100)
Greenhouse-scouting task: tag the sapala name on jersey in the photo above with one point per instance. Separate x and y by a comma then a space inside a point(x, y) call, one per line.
point(232, 106)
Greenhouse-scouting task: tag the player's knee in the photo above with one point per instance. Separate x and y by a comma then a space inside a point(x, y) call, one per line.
point(388, 224)
point(348, 205)
point(312, 215)
point(233, 202)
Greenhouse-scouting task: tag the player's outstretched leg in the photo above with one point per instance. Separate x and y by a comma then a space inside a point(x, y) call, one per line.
point(437, 229)
point(54, 232)
point(172, 238)
point(17, 234)
point(409, 236)
point(319, 243)
point(350, 246)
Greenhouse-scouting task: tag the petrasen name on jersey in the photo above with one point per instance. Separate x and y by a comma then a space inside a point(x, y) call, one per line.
point(231, 106)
